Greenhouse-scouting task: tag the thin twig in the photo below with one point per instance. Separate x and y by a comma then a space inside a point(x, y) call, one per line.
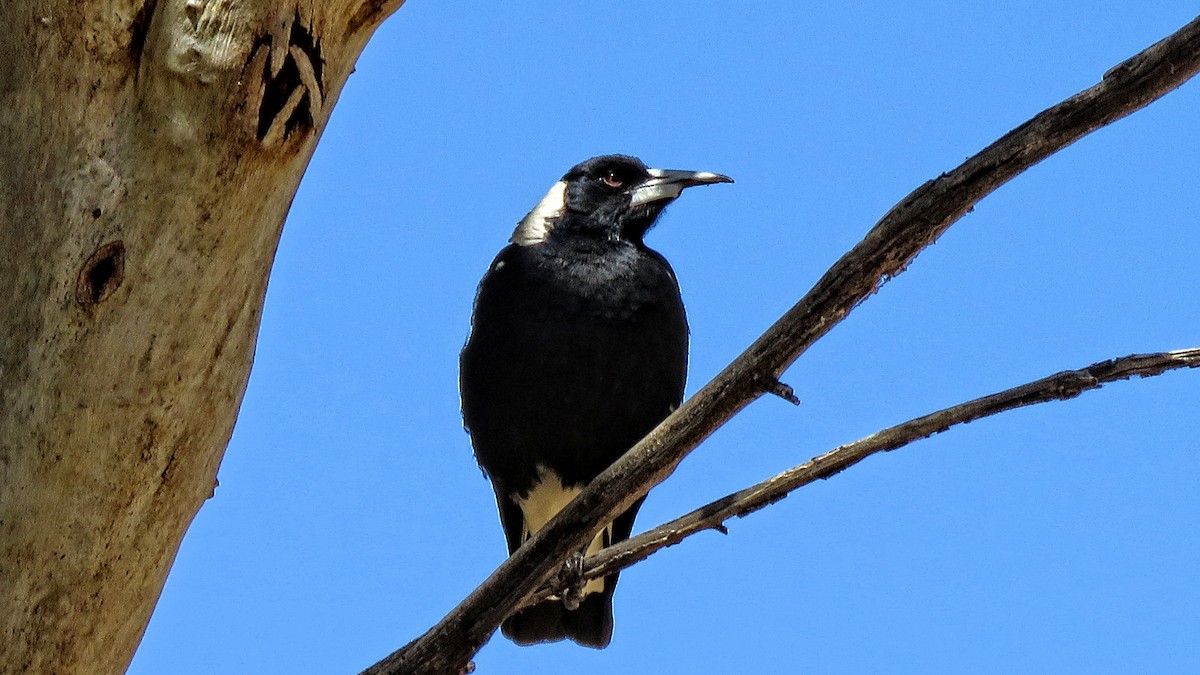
point(712, 516)
point(918, 220)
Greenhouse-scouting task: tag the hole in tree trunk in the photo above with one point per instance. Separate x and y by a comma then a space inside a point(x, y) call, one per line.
point(101, 274)
point(281, 87)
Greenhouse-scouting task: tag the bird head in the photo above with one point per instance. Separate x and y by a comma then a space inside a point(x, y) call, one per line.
point(613, 196)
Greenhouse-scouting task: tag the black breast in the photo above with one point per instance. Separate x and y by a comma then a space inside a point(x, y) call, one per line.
point(573, 356)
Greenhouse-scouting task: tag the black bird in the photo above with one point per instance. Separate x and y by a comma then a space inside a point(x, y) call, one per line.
point(578, 348)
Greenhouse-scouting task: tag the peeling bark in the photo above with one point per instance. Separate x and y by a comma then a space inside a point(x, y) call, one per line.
point(149, 153)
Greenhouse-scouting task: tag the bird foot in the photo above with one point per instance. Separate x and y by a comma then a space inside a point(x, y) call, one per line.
point(568, 584)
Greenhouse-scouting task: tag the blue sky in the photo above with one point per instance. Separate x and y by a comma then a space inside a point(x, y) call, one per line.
point(1060, 538)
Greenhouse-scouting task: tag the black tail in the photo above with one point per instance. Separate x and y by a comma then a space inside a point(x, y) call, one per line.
point(591, 624)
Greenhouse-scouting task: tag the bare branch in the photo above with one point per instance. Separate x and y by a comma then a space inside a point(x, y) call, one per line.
point(887, 250)
point(712, 516)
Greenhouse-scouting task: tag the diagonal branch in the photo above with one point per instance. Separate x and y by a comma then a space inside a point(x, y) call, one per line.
point(888, 248)
point(712, 516)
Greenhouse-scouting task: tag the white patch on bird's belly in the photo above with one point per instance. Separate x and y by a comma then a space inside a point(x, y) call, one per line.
point(536, 226)
point(544, 500)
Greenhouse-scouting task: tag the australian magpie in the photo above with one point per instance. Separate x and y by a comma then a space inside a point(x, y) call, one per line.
point(578, 348)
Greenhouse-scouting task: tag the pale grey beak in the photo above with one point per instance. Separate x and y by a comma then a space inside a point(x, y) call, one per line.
point(665, 184)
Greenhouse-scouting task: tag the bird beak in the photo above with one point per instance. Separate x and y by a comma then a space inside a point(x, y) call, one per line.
point(665, 184)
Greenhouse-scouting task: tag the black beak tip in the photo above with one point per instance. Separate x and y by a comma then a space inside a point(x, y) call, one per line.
point(709, 178)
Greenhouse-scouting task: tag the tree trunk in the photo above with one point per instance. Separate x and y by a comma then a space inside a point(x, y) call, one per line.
point(149, 151)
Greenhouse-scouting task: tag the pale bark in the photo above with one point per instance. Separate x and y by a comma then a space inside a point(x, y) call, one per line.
point(149, 150)
point(148, 155)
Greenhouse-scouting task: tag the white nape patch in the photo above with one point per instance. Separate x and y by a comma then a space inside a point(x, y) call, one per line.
point(536, 226)
point(544, 500)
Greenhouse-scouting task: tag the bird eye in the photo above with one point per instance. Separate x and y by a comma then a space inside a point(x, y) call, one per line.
point(610, 179)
